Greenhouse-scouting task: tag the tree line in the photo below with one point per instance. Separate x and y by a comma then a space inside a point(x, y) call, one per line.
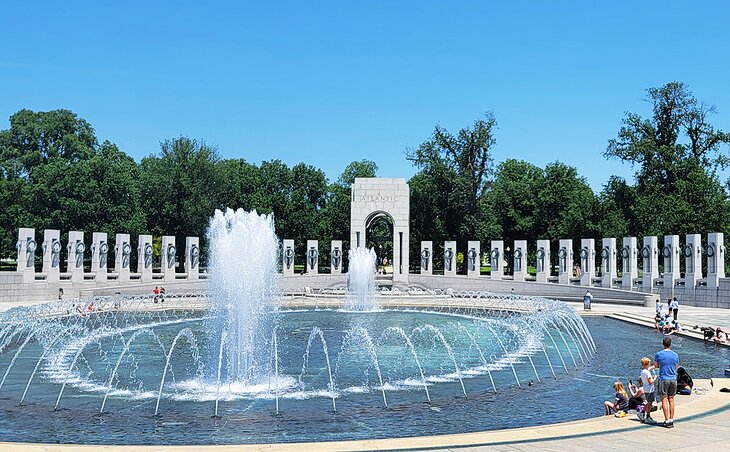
point(55, 174)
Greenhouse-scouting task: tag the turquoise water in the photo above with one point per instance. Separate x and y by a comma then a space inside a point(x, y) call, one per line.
point(380, 384)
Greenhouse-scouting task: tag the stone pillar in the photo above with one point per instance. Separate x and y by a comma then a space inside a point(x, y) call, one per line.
point(26, 247)
point(608, 262)
point(287, 257)
point(542, 261)
point(122, 255)
point(144, 258)
point(449, 258)
point(497, 262)
point(192, 257)
point(401, 242)
point(629, 259)
point(168, 255)
point(336, 255)
point(99, 251)
point(473, 262)
point(565, 261)
point(52, 255)
point(715, 259)
point(587, 261)
point(312, 257)
point(693, 261)
point(426, 257)
point(76, 251)
point(671, 261)
point(519, 260)
point(650, 257)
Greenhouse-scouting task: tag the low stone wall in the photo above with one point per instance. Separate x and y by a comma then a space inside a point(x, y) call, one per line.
point(549, 290)
point(12, 288)
point(699, 296)
point(318, 281)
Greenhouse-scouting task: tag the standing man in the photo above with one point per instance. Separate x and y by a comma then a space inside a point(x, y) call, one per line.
point(587, 299)
point(674, 305)
point(667, 361)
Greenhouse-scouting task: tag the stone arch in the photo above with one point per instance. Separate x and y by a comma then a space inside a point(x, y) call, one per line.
point(383, 245)
point(373, 198)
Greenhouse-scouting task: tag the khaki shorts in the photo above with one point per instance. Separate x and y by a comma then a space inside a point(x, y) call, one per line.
point(666, 388)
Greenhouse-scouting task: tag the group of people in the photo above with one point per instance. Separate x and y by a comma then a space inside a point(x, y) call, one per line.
point(717, 335)
point(159, 294)
point(666, 321)
point(82, 311)
point(660, 380)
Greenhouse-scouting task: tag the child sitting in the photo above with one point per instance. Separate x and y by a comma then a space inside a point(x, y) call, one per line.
point(620, 401)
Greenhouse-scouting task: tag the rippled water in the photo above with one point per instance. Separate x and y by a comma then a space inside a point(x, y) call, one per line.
point(305, 403)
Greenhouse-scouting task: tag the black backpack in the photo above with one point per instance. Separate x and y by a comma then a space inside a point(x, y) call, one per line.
point(684, 381)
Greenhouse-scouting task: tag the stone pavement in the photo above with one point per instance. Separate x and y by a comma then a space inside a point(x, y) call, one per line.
point(704, 434)
point(688, 316)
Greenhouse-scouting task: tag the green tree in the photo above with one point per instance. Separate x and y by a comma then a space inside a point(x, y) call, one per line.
point(447, 191)
point(238, 184)
point(677, 153)
point(36, 138)
point(567, 205)
point(179, 188)
point(274, 193)
point(304, 206)
point(54, 175)
point(616, 208)
point(468, 153)
point(99, 193)
point(511, 203)
point(336, 213)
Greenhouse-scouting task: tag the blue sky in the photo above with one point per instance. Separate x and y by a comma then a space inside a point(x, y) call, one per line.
point(329, 83)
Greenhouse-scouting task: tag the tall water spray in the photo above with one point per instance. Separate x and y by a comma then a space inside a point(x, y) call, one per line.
point(243, 286)
point(361, 280)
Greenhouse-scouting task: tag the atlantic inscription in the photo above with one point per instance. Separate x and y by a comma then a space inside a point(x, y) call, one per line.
point(374, 198)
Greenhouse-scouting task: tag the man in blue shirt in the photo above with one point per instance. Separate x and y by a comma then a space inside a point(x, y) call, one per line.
point(667, 361)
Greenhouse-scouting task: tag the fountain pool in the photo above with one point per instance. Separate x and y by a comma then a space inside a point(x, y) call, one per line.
point(243, 363)
point(336, 374)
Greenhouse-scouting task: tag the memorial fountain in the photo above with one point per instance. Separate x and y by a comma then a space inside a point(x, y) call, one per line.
point(214, 367)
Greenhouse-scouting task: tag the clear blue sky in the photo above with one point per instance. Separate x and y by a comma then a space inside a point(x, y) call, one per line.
point(329, 83)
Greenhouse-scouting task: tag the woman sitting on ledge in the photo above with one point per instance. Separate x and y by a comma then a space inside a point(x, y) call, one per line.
point(720, 336)
point(620, 401)
point(637, 395)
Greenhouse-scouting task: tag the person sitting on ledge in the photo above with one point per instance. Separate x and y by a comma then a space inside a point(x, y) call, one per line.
point(620, 400)
point(658, 322)
point(708, 332)
point(637, 395)
point(667, 328)
point(720, 336)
